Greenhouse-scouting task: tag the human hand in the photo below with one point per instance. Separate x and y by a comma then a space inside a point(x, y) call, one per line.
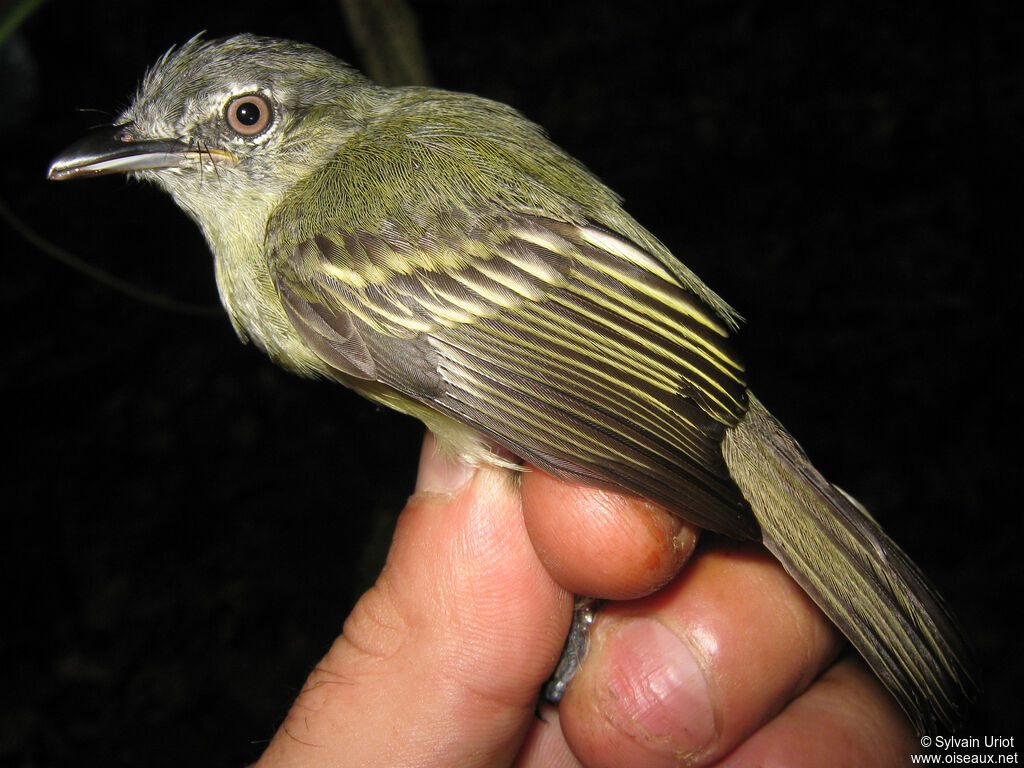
point(440, 663)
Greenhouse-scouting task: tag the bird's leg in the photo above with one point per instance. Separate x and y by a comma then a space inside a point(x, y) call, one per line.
point(584, 611)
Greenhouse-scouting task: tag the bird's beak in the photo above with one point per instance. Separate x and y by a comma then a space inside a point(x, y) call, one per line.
point(116, 150)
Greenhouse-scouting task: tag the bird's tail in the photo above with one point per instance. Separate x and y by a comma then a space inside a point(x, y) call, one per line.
point(855, 573)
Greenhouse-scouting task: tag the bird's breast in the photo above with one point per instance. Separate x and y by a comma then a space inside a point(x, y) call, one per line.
point(250, 297)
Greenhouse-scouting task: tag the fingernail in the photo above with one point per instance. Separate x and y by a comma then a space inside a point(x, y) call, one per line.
point(659, 687)
point(440, 473)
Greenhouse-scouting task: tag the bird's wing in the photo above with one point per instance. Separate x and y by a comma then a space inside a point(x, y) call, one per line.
point(451, 270)
point(564, 343)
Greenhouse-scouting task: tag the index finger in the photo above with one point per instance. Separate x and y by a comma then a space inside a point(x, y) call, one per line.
point(440, 662)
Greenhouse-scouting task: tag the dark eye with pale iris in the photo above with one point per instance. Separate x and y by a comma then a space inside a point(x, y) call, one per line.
point(248, 115)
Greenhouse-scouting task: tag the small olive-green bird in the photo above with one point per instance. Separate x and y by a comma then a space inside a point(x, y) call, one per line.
point(437, 253)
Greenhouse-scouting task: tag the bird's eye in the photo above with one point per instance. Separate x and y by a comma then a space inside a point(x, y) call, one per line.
point(249, 115)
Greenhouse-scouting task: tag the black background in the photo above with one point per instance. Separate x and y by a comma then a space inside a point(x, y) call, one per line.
point(185, 526)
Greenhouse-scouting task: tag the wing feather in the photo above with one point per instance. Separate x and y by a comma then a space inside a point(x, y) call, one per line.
point(563, 342)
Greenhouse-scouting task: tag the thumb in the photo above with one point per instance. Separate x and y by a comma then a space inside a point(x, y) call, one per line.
point(441, 660)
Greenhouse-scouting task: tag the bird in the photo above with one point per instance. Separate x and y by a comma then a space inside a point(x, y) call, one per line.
point(436, 252)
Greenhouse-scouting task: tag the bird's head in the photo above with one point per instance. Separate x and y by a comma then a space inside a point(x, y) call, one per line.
point(239, 119)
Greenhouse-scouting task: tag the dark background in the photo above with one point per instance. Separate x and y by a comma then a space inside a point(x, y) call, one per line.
point(185, 526)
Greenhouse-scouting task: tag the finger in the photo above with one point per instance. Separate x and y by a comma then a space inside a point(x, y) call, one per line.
point(422, 673)
point(603, 544)
point(846, 719)
point(687, 674)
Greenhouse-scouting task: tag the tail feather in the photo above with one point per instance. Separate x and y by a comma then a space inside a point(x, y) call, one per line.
point(856, 574)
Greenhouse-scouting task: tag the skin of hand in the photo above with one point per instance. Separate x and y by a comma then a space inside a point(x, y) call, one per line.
point(723, 663)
